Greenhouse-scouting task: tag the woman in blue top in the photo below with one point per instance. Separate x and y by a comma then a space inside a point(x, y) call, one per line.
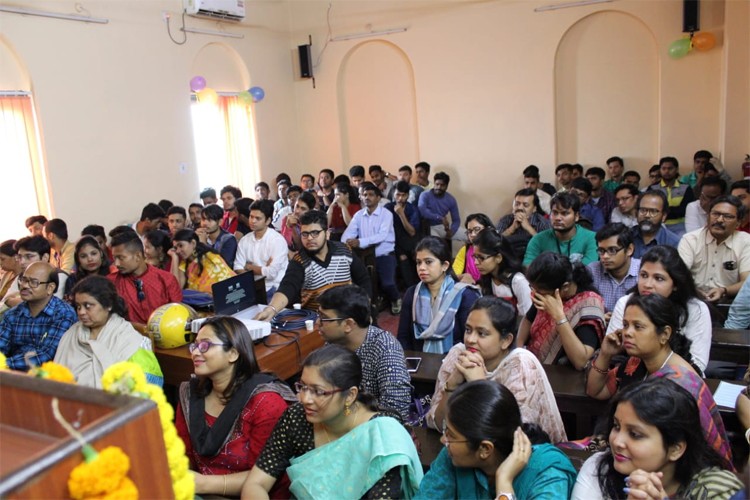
point(488, 455)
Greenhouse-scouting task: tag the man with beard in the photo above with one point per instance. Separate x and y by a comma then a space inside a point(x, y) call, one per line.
point(652, 212)
point(439, 208)
point(320, 265)
point(325, 188)
point(678, 194)
point(616, 272)
point(405, 227)
point(524, 221)
point(718, 255)
point(565, 237)
point(382, 181)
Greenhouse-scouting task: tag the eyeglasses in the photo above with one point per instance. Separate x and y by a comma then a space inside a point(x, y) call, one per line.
point(481, 258)
point(475, 230)
point(447, 442)
point(139, 289)
point(310, 234)
point(609, 250)
point(325, 320)
point(649, 212)
point(203, 346)
point(315, 392)
point(33, 283)
point(721, 215)
point(20, 257)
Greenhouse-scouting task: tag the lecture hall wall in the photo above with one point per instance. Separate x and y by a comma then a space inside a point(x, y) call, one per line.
point(479, 89)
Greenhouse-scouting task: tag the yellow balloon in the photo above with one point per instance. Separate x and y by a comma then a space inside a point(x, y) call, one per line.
point(208, 96)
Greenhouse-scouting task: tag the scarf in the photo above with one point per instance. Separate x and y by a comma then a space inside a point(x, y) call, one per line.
point(470, 266)
point(88, 359)
point(434, 323)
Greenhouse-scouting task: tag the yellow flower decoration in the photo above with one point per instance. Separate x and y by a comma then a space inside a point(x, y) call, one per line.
point(52, 371)
point(124, 378)
point(3, 362)
point(102, 474)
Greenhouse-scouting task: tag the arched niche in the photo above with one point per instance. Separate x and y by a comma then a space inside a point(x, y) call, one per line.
point(222, 67)
point(378, 106)
point(606, 92)
point(13, 73)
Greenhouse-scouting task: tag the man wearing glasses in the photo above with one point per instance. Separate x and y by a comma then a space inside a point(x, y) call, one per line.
point(718, 255)
point(320, 265)
point(652, 212)
point(626, 197)
point(31, 331)
point(141, 285)
point(616, 271)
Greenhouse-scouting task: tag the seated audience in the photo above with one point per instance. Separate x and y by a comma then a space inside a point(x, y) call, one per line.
point(633, 178)
point(490, 452)
point(164, 205)
point(35, 225)
point(406, 227)
point(150, 220)
point(739, 312)
point(194, 215)
point(103, 336)
point(331, 442)
point(208, 197)
point(290, 226)
point(654, 176)
point(501, 270)
point(422, 170)
point(63, 251)
point(702, 161)
point(228, 410)
point(576, 171)
point(616, 166)
point(565, 324)
point(652, 212)
point(195, 265)
point(563, 174)
point(590, 216)
point(99, 234)
point(651, 338)
point(439, 208)
point(718, 255)
point(10, 266)
point(324, 188)
point(663, 272)
point(696, 212)
point(372, 226)
point(340, 212)
point(616, 272)
point(30, 332)
point(156, 247)
point(404, 174)
point(654, 451)
point(176, 219)
point(344, 317)
point(211, 233)
point(282, 201)
point(741, 189)
point(435, 309)
point(677, 193)
point(262, 191)
point(602, 198)
point(307, 183)
point(292, 194)
point(489, 352)
point(229, 195)
point(357, 175)
point(320, 265)
point(626, 197)
point(525, 220)
point(263, 251)
point(531, 181)
point(142, 286)
point(242, 207)
point(29, 250)
point(90, 260)
point(464, 265)
point(565, 237)
point(382, 180)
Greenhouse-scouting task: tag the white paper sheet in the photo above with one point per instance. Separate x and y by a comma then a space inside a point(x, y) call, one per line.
point(726, 394)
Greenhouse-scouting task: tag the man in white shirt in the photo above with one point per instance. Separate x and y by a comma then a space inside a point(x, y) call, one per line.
point(626, 197)
point(262, 251)
point(696, 214)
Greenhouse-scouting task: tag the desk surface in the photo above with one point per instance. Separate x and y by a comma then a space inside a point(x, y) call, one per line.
point(730, 345)
point(281, 353)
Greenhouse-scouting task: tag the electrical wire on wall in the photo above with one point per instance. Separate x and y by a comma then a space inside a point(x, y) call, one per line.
point(169, 32)
point(328, 35)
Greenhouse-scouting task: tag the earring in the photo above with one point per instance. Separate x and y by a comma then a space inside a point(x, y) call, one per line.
point(347, 410)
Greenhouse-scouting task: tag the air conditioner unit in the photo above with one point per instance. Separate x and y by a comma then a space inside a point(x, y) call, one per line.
point(227, 10)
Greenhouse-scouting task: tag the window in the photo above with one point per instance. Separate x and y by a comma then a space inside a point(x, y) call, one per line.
point(225, 144)
point(21, 158)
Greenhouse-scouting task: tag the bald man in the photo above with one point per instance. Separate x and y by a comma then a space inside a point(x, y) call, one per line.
point(30, 332)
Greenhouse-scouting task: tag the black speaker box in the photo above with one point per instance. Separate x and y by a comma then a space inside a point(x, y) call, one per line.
point(690, 9)
point(305, 61)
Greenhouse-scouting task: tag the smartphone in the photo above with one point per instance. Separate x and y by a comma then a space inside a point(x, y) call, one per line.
point(412, 364)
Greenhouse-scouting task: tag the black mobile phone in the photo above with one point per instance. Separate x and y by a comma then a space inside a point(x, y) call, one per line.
point(412, 364)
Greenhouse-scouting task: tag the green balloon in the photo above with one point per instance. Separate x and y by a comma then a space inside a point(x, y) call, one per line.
point(679, 48)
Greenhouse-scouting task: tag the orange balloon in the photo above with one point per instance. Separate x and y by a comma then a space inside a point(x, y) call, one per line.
point(208, 96)
point(704, 41)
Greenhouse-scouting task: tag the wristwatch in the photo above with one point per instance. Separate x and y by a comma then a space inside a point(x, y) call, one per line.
point(505, 496)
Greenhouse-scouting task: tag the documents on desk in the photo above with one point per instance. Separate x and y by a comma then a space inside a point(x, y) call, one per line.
point(726, 394)
point(258, 329)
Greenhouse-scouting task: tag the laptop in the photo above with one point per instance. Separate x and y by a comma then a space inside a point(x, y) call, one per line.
point(235, 297)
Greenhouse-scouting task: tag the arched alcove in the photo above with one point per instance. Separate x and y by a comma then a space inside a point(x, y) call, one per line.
point(606, 76)
point(222, 67)
point(377, 106)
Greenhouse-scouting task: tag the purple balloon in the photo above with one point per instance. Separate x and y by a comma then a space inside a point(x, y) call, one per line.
point(257, 93)
point(197, 83)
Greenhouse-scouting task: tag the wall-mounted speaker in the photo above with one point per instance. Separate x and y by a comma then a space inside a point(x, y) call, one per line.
point(305, 61)
point(690, 10)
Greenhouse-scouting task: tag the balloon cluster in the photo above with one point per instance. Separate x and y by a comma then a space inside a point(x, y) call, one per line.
point(698, 41)
point(208, 95)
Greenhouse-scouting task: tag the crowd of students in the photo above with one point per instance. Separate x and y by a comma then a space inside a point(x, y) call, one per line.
point(597, 275)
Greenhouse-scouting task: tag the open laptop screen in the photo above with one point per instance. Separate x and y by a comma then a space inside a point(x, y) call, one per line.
point(234, 294)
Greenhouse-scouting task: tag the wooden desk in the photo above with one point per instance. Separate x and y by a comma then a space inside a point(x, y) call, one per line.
point(279, 353)
point(730, 345)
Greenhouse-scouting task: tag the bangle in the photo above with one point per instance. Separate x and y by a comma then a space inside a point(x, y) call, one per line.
point(596, 368)
point(225, 486)
point(747, 436)
point(562, 321)
point(275, 311)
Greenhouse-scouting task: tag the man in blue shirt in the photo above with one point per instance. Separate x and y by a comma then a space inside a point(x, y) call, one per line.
point(439, 208)
point(373, 226)
point(652, 212)
point(616, 271)
point(405, 226)
point(591, 216)
point(31, 331)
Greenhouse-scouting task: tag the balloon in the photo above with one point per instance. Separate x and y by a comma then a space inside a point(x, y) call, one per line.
point(197, 83)
point(679, 48)
point(245, 97)
point(704, 41)
point(257, 93)
point(208, 96)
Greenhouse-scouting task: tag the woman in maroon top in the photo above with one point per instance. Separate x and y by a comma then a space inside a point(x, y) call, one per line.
point(227, 411)
point(345, 205)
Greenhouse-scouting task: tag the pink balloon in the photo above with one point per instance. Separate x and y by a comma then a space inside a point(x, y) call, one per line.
point(197, 83)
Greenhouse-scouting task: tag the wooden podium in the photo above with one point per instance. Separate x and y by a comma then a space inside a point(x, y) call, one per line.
point(37, 454)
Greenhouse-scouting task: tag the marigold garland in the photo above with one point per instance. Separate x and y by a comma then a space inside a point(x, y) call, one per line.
point(128, 378)
point(53, 371)
point(102, 475)
point(3, 362)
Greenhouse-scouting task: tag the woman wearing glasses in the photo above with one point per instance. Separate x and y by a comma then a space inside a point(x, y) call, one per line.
point(501, 271)
point(464, 265)
point(435, 309)
point(196, 265)
point(490, 453)
point(103, 335)
point(663, 272)
point(331, 443)
point(227, 411)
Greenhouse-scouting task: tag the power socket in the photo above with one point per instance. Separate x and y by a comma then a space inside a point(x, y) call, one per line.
point(165, 16)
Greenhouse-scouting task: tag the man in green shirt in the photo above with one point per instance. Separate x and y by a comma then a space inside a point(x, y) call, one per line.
point(616, 167)
point(566, 237)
